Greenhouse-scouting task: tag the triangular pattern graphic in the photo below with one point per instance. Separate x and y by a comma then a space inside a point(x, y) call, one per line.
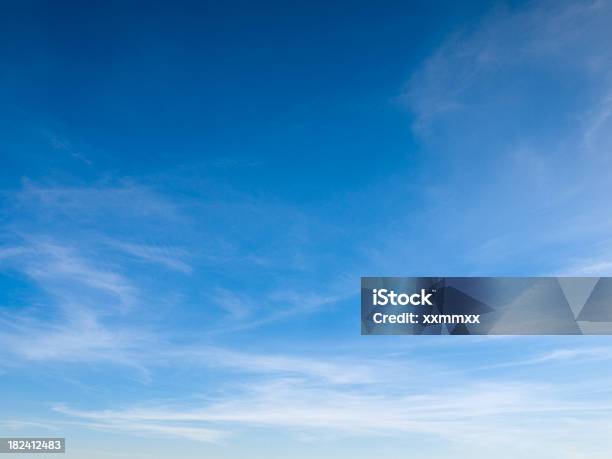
point(598, 307)
point(595, 328)
point(542, 307)
point(577, 291)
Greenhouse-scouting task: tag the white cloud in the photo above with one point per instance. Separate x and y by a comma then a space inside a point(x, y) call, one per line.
point(71, 324)
point(492, 414)
point(516, 108)
point(593, 268)
point(169, 257)
point(334, 371)
point(475, 67)
point(61, 270)
point(19, 425)
point(579, 355)
point(236, 305)
point(124, 200)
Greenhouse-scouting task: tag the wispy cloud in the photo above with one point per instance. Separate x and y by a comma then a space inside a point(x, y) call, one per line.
point(71, 323)
point(335, 371)
point(169, 257)
point(18, 425)
point(541, 35)
point(487, 412)
point(63, 145)
point(578, 355)
point(584, 353)
point(236, 305)
point(61, 270)
point(530, 157)
point(124, 199)
point(592, 268)
point(105, 421)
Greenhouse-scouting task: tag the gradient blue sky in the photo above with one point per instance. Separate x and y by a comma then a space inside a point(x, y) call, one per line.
point(191, 191)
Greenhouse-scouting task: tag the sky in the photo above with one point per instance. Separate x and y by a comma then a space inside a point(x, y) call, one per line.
point(191, 191)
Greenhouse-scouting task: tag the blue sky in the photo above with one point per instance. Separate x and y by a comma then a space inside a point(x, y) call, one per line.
point(189, 194)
